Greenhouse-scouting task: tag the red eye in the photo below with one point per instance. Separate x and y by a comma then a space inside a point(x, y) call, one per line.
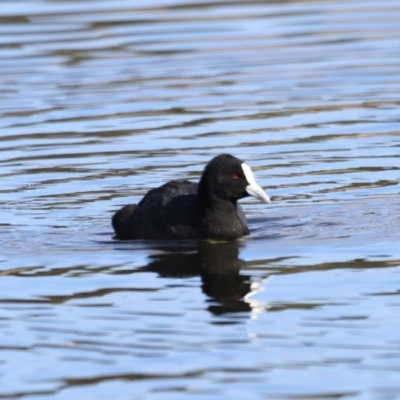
point(235, 175)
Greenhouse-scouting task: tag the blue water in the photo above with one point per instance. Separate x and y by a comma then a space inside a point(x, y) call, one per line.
point(102, 101)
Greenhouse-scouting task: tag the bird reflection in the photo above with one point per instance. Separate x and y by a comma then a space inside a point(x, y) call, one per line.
point(218, 265)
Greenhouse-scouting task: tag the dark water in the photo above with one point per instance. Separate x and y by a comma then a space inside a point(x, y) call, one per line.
point(101, 101)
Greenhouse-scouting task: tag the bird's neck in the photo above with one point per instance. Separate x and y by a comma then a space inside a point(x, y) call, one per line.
point(211, 203)
point(218, 218)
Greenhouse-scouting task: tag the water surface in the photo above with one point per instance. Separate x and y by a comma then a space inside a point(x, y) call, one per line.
point(102, 101)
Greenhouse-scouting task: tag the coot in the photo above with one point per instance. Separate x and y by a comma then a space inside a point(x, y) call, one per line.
point(182, 209)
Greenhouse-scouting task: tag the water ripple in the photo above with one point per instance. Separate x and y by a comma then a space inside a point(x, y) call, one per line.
point(101, 102)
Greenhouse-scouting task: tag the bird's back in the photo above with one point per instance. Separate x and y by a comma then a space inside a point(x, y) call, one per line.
point(166, 212)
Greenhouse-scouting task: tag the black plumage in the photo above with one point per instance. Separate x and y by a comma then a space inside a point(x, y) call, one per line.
point(182, 209)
